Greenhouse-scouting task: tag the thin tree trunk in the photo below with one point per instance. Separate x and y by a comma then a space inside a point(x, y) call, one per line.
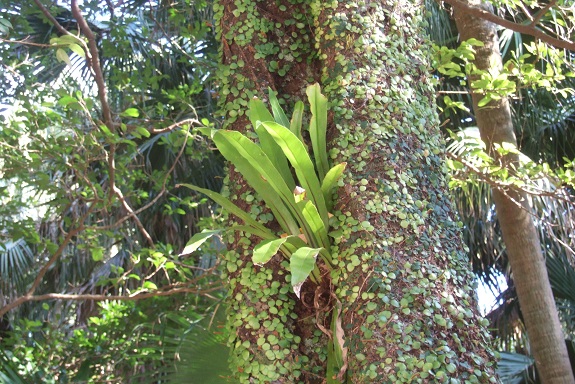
point(515, 217)
point(402, 276)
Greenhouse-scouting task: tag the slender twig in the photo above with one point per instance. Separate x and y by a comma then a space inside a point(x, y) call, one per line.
point(521, 28)
point(525, 12)
point(24, 42)
point(213, 316)
point(73, 232)
point(453, 92)
point(110, 7)
point(542, 13)
point(565, 245)
point(168, 290)
point(94, 63)
point(133, 215)
point(171, 40)
point(175, 125)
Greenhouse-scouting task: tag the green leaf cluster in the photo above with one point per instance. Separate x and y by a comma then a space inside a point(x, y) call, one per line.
point(542, 67)
point(72, 42)
point(471, 163)
point(5, 26)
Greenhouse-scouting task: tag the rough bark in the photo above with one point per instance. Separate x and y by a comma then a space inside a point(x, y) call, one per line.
point(515, 217)
point(402, 275)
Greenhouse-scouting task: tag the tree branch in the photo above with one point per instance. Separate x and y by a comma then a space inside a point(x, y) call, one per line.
point(94, 63)
point(62, 296)
point(503, 187)
point(93, 59)
point(529, 29)
point(175, 125)
point(51, 18)
point(162, 190)
point(24, 42)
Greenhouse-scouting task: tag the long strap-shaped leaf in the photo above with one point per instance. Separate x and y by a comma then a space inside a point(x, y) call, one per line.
point(316, 224)
point(318, 128)
point(296, 120)
point(260, 173)
point(258, 113)
point(297, 155)
point(254, 227)
point(277, 110)
point(329, 183)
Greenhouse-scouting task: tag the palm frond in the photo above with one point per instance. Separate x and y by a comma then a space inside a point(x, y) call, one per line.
point(562, 277)
point(544, 124)
point(16, 260)
point(9, 370)
point(440, 28)
point(203, 353)
point(513, 368)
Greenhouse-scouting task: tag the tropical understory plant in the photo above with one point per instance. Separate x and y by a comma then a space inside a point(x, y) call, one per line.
point(301, 205)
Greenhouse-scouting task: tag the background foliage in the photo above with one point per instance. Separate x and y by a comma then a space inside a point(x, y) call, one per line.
point(58, 192)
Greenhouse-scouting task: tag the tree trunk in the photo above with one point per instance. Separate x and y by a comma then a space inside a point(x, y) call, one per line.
point(515, 217)
point(402, 276)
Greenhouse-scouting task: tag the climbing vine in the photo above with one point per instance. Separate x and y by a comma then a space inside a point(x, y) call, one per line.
point(399, 280)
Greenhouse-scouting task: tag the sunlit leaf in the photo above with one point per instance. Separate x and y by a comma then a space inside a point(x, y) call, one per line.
point(265, 250)
point(329, 183)
point(259, 113)
point(77, 50)
point(61, 55)
point(302, 262)
point(298, 157)
point(317, 228)
point(198, 239)
point(260, 173)
point(279, 114)
point(97, 253)
point(131, 112)
point(150, 285)
point(143, 131)
point(296, 120)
